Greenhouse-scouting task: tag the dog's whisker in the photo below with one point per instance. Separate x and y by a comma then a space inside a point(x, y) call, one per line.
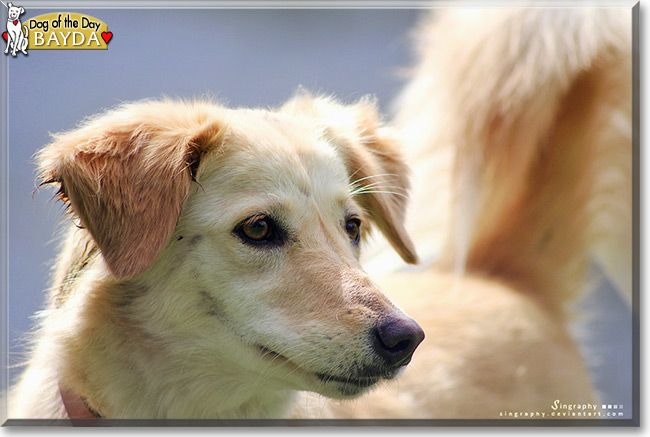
point(355, 182)
point(382, 181)
point(371, 187)
point(355, 172)
point(381, 192)
point(380, 184)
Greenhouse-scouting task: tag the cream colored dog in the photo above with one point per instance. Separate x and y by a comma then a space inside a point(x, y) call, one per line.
point(518, 125)
point(215, 272)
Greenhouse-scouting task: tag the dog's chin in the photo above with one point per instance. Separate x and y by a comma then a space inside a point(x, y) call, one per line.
point(339, 388)
point(330, 384)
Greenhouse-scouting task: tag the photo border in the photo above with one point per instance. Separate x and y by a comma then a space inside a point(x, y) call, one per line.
point(334, 4)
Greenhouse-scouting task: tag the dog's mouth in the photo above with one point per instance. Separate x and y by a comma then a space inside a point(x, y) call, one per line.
point(269, 354)
point(353, 385)
point(361, 382)
point(348, 385)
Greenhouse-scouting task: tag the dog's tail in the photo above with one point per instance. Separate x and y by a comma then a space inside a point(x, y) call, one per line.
point(536, 106)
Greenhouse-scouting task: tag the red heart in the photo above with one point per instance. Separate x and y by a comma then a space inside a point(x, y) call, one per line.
point(15, 22)
point(106, 36)
point(5, 36)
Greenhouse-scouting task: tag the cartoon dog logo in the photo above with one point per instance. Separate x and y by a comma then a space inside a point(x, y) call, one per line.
point(16, 39)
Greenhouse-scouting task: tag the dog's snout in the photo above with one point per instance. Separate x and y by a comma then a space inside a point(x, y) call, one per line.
point(396, 339)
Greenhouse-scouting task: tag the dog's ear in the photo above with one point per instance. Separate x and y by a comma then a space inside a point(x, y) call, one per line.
point(9, 5)
point(126, 175)
point(372, 154)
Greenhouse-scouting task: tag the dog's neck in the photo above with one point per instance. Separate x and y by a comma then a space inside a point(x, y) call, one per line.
point(128, 373)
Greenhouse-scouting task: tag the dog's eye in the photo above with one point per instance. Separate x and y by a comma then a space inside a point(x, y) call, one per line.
point(259, 229)
point(353, 229)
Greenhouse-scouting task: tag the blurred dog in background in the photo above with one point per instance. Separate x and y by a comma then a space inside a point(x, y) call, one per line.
point(518, 125)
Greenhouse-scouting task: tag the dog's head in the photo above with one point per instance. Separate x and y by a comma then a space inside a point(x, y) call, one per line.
point(13, 12)
point(239, 231)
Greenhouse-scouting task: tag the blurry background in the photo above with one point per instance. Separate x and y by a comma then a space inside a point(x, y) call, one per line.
point(242, 58)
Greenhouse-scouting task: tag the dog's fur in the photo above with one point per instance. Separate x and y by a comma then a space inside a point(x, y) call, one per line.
point(518, 125)
point(16, 39)
point(158, 310)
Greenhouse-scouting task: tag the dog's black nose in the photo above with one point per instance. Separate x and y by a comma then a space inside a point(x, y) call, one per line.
point(396, 339)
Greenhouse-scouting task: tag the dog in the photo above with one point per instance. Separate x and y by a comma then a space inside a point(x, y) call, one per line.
point(16, 39)
point(213, 269)
point(165, 304)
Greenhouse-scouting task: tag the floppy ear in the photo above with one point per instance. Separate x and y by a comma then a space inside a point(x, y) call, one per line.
point(372, 154)
point(126, 176)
